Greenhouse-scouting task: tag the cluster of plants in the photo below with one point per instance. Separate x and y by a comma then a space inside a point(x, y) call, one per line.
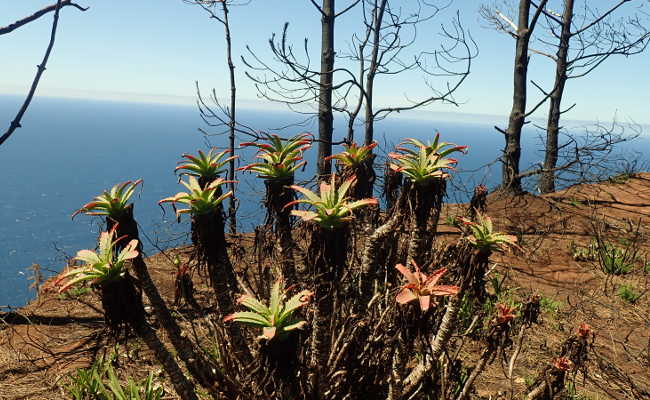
point(346, 302)
point(99, 382)
point(612, 259)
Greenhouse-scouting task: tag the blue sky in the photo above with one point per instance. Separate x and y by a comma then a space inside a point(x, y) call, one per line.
point(154, 50)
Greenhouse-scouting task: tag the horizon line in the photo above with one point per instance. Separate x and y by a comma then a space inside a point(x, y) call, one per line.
point(269, 106)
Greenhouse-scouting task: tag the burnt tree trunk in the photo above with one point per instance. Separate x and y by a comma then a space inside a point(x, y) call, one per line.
point(365, 174)
point(393, 182)
point(369, 123)
point(122, 303)
point(547, 180)
point(325, 115)
point(232, 202)
point(478, 203)
point(511, 181)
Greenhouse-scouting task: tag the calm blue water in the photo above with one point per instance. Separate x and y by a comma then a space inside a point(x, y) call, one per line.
point(70, 150)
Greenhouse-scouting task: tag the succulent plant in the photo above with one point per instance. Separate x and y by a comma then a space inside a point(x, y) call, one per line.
point(421, 162)
point(280, 158)
point(207, 166)
point(353, 154)
point(422, 288)
point(505, 313)
point(102, 266)
point(111, 203)
point(483, 236)
point(332, 207)
point(276, 319)
point(562, 364)
point(584, 331)
point(198, 200)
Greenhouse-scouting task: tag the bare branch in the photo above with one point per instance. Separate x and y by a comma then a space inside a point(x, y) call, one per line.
point(38, 14)
point(508, 21)
point(40, 69)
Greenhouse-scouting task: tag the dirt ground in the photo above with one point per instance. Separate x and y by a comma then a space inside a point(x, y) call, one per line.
point(45, 341)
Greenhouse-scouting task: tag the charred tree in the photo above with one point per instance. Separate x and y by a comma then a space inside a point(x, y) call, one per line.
point(325, 113)
point(580, 50)
point(522, 33)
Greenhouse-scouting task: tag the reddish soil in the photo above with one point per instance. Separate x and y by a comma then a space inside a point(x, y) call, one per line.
point(45, 341)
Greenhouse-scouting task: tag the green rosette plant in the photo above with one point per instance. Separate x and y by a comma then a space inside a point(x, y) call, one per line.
point(100, 267)
point(111, 203)
point(278, 318)
point(199, 201)
point(357, 161)
point(280, 158)
point(332, 207)
point(353, 155)
point(205, 167)
point(207, 231)
point(421, 162)
point(483, 236)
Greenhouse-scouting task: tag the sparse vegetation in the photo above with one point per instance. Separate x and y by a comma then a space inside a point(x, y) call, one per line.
point(99, 382)
point(614, 261)
point(550, 305)
point(359, 297)
point(611, 259)
point(335, 295)
point(628, 293)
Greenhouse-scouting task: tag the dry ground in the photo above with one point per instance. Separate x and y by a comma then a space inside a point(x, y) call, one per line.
point(42, 343)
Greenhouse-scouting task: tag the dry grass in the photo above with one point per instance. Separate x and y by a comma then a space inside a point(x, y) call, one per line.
point(51, 337)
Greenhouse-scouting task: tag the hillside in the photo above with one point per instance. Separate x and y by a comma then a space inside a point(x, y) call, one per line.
point(45, 341)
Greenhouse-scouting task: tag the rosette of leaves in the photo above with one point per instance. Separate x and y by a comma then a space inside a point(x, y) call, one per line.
point(111, 203)
point(198, 200)
point(505, 313)
point(422, 288)
point(483, 236)
point(421, 162)
point(205, 167)
point(358, 161)
point(353, 155)
point(278, 318)
point(332, 207)
point(101, 266)
point(106, 269)
point(280, 157)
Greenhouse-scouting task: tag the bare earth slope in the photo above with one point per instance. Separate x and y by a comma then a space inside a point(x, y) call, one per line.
point(42, 343)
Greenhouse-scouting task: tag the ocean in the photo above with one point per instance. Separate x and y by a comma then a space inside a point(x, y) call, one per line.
point(69, 150)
